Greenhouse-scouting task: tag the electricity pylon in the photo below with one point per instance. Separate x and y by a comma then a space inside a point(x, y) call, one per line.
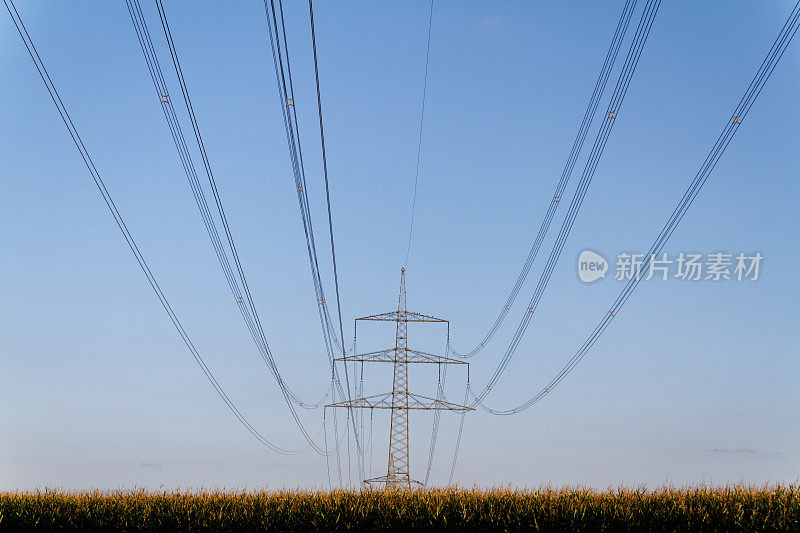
point(400, 401)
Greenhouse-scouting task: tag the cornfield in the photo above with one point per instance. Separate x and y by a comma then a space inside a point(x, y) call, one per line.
point(739, 508)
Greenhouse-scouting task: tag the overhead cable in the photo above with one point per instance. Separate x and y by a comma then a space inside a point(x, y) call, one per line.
point(118, 219)
point(612, 112)
point(419, 140)
point(566, 173)
point(735, 120)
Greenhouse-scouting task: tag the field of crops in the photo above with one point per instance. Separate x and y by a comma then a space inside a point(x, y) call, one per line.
point(668, 509)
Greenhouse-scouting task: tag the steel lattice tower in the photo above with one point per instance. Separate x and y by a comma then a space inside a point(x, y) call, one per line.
point(400, 401)
point(398, 436)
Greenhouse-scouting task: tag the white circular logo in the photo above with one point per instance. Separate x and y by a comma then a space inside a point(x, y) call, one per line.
point(591, 266)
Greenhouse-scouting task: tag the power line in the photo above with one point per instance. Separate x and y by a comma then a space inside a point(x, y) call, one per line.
point(436, 419)
point(84, 153)
point(458, 438)
point(440, 395)
point(419, 141)
point(325, 170)
point(740, 112)
point(621, 89)
point(283, 74)
point(594, 101)
point(295, 144)
point(286, 96)
point(162, 92)
point(247, 308)
point(577, 145)
point(328, 203)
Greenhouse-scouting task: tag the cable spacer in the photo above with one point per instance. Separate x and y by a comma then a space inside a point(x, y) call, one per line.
point(556, 198)
point(611, 313)
point(299, 188)
point(737, 119)
point(530, 309)
point(164, 98)
point(290, 101)
point(239, 299)
point(321, 301)
point(612, 114)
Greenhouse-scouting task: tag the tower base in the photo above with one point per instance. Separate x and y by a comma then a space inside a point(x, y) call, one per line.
point(393, 482)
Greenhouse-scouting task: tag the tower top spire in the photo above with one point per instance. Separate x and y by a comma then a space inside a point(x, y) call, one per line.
point(401, 303)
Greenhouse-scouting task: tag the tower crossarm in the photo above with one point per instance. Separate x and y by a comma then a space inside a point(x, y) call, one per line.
point(411, 356)
point(408, 316)
point(415, 401)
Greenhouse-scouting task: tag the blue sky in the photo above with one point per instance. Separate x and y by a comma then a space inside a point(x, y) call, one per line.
point(694, 382)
